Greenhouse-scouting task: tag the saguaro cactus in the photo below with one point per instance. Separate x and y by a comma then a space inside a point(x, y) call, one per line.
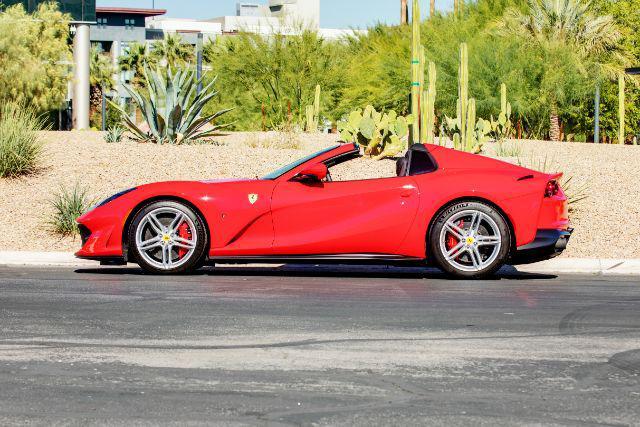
point(501, 128)
point(468, 134)
point(414, 136)
point(427, 123)
point(503, 98)
point(621, 85)
point(312, 112)
point(463, 90)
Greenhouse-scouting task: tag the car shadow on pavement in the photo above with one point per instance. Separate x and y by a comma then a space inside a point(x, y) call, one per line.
point(338, 271)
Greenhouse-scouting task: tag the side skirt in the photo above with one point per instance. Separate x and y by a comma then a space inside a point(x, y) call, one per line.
point(319, 259)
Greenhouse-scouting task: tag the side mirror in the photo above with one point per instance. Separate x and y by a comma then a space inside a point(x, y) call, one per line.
point(315, 173)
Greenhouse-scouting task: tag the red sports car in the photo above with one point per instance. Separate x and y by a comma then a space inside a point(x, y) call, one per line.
point(464, 213)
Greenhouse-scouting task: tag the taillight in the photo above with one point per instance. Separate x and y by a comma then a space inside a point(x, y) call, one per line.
point(552, 188)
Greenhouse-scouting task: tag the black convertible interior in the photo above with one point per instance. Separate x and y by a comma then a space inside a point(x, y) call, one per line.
point(416, 161)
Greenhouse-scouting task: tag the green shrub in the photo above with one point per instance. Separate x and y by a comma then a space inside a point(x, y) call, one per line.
point(20, 148)
point(68, 205)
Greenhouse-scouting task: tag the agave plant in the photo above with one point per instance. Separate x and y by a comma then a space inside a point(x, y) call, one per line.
point(113, 134)
point(172, 108)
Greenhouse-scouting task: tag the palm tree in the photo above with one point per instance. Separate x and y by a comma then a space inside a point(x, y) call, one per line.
point(567, 26)
point(135, 59)
point(404, 12)
point(101, 71)
point(173, 51)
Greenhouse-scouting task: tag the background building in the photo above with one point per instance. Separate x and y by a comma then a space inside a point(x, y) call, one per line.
point(80, 10)
point(296, 12)
point(114, 29)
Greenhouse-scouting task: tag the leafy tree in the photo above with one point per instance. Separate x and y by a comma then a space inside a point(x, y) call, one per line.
point(279, 72)
point(627, 15)
point(35, 56)
point(567, 36)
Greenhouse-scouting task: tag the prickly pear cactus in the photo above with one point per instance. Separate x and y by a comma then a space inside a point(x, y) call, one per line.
point(381, 134)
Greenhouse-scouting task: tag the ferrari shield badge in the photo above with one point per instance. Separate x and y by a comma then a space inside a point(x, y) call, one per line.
point(253, 198)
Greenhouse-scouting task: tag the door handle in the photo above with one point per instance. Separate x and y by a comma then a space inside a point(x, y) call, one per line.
point(407, 191)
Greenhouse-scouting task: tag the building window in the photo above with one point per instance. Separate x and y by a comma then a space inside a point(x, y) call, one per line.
point(102, 22)
point(129, 23)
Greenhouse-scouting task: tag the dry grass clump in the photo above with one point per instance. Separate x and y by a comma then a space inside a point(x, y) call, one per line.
point(576, 190)
point(508, 149)
point(20, 147)
point(68, 205)
point(284, 138)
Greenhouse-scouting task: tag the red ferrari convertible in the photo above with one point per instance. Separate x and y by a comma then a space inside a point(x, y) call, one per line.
point(466, 214)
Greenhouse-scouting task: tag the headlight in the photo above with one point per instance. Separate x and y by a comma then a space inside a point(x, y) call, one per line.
point(115, 196)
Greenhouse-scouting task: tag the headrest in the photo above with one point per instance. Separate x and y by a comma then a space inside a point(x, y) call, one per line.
point(402, 164)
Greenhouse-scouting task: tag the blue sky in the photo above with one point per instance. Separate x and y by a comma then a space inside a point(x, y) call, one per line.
point(334, 13)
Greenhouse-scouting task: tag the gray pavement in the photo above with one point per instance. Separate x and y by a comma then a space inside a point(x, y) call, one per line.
point(321, 346)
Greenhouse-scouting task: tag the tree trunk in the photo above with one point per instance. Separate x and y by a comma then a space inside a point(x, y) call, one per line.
point(554, 124)
point(432, 10)
point(404, 12)
point(95, 100)
point(455, 7)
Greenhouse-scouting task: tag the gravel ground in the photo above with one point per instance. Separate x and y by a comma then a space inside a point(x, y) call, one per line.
point(611, 173)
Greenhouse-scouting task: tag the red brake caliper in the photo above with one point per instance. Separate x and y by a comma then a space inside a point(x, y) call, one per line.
point(185, 233)
point(451, 239)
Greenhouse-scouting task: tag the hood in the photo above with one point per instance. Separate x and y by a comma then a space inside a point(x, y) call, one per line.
point(225, 180)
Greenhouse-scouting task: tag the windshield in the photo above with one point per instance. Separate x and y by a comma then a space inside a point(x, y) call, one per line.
point(278, 173)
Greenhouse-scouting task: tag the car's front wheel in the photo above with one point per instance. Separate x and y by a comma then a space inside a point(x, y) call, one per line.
point(167, 237)
point(470, 240)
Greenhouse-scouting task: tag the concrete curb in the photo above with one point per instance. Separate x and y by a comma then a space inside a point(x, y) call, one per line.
point(557, 265)
point(44, 259)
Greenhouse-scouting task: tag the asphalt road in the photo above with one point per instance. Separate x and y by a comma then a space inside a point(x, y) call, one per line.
point(326, 347)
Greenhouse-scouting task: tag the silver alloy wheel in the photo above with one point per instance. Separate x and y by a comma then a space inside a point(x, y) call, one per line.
point(477, 240)
point(158, 238)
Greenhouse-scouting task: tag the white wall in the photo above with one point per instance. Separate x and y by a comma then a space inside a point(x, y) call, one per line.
point(306, 12)
point(174, 24)
point(252, 24)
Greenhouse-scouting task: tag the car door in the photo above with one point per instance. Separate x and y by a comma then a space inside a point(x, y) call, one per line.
point(350, 217)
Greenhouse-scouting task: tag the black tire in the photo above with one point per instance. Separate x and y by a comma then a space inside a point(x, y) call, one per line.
point(196, 257)
point(460, 266)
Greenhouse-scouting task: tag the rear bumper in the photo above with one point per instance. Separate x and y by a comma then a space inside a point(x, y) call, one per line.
point(547, 244)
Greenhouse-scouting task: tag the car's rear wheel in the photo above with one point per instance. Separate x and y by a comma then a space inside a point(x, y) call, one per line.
point(167, 237)
point(470, 240)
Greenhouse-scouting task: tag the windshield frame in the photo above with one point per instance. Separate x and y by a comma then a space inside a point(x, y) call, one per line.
point(288, 168)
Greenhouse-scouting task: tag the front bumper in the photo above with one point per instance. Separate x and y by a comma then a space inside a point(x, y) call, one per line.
point(547, 244)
